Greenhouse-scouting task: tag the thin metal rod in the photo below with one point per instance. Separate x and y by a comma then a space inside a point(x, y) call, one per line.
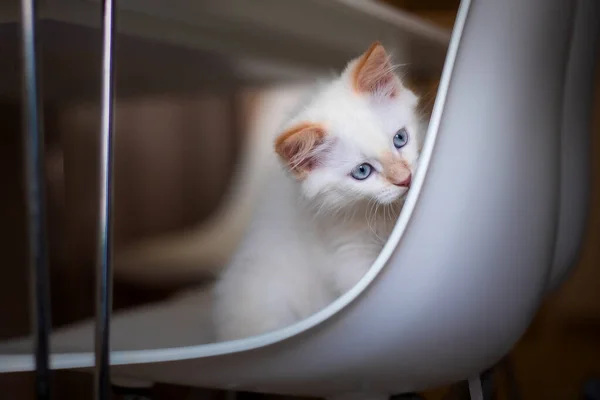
point(105, 228)
point(34, 184)
point(476, 389)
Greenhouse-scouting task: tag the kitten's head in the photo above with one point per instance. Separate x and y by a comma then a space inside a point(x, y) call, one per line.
point(358, 138)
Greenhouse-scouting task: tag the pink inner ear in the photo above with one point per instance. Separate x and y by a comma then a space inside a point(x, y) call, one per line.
point(299, 147)
point(374, 72)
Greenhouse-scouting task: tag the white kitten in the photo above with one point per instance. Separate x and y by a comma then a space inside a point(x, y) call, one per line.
point(349, 154)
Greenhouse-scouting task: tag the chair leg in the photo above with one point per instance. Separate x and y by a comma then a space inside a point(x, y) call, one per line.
point(482, 386)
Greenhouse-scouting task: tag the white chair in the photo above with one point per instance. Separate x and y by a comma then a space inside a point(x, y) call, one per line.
point(493, 222)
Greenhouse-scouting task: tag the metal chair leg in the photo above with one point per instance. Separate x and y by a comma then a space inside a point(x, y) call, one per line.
point(482, 387)
point(105, 227)
point(36, 213)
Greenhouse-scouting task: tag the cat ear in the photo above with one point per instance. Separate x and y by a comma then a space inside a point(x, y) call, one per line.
point(373, 73)
point(300, 147)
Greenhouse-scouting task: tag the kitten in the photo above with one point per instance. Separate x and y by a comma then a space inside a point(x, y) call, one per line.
point(348, 156)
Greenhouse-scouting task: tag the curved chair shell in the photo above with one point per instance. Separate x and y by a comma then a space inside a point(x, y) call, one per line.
point(575, 140)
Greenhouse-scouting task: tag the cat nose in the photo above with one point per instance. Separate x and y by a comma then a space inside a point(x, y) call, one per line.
point(405, 183)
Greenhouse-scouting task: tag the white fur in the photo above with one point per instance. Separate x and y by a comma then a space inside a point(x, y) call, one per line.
point(313, 239)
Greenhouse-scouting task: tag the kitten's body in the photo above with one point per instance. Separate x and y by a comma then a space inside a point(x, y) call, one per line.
point(319, 228)
point(292, 263)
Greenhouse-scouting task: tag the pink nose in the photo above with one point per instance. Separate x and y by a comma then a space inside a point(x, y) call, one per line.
point(406, 182)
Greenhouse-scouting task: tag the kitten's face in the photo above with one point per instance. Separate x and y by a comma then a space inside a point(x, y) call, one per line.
point(358, 140)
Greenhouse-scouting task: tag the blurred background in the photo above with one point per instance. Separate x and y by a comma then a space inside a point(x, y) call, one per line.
point(181, 122)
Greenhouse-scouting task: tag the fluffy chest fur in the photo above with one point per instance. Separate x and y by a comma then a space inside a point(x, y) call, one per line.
point(351, 243)
point(295, 260)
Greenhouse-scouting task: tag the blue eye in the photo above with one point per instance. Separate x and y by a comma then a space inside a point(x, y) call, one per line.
point(400, 138)
point(361, 172)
